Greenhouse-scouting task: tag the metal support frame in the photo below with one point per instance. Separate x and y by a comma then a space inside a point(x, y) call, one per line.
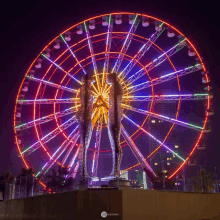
point(165, 118)
point(156, 62)
point(58, 153)
point(125, 46)
point(140, 158)
point(47, 101)
point(141, 53)
point(47, 83)
point(49, 136)
point(97, 149)
point(108, 45)
point(46, 119)
point(165, 78)
point(159, 98)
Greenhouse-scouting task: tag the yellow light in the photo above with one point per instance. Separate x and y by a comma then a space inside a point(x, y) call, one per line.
point(168, 163)
point(176, 184)
point(176, 146)
point(156, 164)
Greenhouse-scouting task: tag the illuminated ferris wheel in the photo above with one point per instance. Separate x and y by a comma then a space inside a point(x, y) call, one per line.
point(156, 65)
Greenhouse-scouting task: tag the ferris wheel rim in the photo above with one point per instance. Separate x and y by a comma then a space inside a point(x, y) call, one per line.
point(198, 55)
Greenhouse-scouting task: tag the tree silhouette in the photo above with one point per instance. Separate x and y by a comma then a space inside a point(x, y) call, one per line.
point(5, 178)
point(203, 182)
point(59, 180)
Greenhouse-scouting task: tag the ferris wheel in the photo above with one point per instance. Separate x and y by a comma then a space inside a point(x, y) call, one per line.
point(163, 79)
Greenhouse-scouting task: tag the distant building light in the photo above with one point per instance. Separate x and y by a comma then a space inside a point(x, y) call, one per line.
point(174, 156)
point(168, 158)
point(168, 163)
point(156, 164)
point(167, 151)
point(176, 184)
point(176, 146)
point(152, 121)
point(164, 171)
point(165, 176)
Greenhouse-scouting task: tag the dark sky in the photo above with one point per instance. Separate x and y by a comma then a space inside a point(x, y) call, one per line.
point(27, 26)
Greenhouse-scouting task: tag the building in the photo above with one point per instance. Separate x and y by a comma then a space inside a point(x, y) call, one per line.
point(163, 160)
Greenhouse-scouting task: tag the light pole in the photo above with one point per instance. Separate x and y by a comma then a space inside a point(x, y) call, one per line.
point(201, 178)
point(216, 181)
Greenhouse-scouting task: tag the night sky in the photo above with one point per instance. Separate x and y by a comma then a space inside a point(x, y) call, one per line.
point(27, 26)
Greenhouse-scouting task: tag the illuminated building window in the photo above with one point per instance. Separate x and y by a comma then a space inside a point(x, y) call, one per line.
point(168, 158)
point(176, 146)
point(174, 156)
point(176, 184)
point(168, 163)
point(165, 176)
point(152, 121)
point(164, 171)
point(156, 164)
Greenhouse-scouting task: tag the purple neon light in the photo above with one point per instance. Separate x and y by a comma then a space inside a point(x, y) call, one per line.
point(154, 138)
point(61, 69)
point(124, 43)
point(73, 54)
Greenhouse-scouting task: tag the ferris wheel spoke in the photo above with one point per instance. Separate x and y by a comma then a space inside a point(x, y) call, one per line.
point(107, 47)
point(59, 67)
point(149, 98)
point(57, 154)
point(74, 163)
point(46, 118)
point(70, 149)
point(49, 136)
point(92, 56)
point(74, 169)
point(47, 101)
point(141, 52)
point(140, 158)
point(126, 45)
point(165, 78)
point(154, 138)
point(47, 83)
point(164, 118)
point(95, 159)
point(73, 54)
point(156, 62)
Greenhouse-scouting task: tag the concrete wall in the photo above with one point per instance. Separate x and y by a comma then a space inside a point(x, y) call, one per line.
point(161, 205)
point(63, 206)
point(129, 204)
